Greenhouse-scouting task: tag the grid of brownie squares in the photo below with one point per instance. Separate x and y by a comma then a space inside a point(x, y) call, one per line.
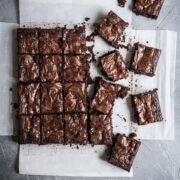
point(52, 88)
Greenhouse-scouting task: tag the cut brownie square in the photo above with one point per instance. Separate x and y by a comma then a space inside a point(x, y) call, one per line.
point(111, 29)
point(76, 128)
point(75, 68)
point(74, 40)
point(51, 68)
point(29, 98)
point(113, 66)
point(150, 9)
point(75, 97)
point(29, 129)
point(27, 41)
point(50, 41)
point(51, 98)
point(52, 131)
point(101, 129)
point(28, 68)
point(124, 151)
point(147, 107)
point(145, 60)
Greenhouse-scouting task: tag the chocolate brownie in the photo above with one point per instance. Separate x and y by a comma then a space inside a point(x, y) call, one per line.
point(50, 41)
point(121, 3)
point(29, 129)
point(75, 97)
point(27, 41)
point(51, 98)
point(76, 128)
point(124, 151)
point(148, 8)
point(52, 130)
point(111, 29)
point(29, 98)
point(74, 40)
point(28, 68)
point(145, 60)
point(101, 129)
point(113, 66)
point(51, 68)
point(147, 107)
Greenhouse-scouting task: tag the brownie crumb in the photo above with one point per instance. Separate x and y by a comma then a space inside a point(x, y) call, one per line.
point(123, 92)
point(87, 19)
point(91, 37)
point(132, 135)
point(123, 46)
point(147, 42)
point(121, 3)
point(91, 52)
point(10, 89)
point(15, 105)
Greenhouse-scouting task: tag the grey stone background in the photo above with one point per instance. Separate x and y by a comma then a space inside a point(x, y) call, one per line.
point(157, 160)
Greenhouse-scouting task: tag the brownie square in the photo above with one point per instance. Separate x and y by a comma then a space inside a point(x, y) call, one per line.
point(27, 41)
point(147, 107)
point(145, 60)
point(111, 29)
point(74, 40)
point(52, 130)
point(150, 9)
point(29, 98)
point(75, 68)
point(28, 68)
point(76, 128)
point(101, 129)
point(29, 129)
point(113, 66)
point(51, 98)
point(75, 97)
point(124, 151)
point(51, 68)
point(50, 41)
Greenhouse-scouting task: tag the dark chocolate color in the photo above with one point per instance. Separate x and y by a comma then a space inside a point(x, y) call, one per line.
point(121, 3)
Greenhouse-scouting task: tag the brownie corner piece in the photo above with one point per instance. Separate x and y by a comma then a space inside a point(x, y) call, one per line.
point(145, 60)
point(123, 151)
point(147, 107)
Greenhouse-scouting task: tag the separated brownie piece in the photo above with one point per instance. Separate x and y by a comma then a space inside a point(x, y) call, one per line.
point(75, 68)
point(124, 151)
point(113, 66)
point(50, 41)
point(74, 40)
point(29, 129)
point(28, 68)
point(145, 60)
point(27, 41)
point(75, 97)
point(147, 107)
point(150, 8)
point(51, 98)
point(101, 129)
point(111, 29)
point(29, 98)
point(52, 130)
point(51, 68)
point(76, 128)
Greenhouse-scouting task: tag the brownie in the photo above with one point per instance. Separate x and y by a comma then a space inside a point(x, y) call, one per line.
point(147, 107)
point(51, 68)
point(27, 41)
point(101, 129)
point(113, 66)
point(111, 29)
point(75, 97)
point(51, 98)
point(29, 98)
point(52, 130)
point(29, 129)
point(28, 68)
point(121, 3)
point(150, 9)
point(50, 41)
point(74, 40)
point(145, 60)
point(124, 151)
point(76, 128)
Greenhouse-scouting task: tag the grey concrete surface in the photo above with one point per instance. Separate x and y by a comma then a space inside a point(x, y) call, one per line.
point(157, 160)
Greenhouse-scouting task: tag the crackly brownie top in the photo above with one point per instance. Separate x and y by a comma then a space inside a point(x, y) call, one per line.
point(113, 66)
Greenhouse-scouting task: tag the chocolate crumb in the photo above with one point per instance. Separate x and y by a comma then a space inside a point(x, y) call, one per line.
point(77, 147)
point(124, 119)
point(87, 18)
point(15, 105)
point(123, 46)
point(147, 42)
point(121, 3)
point(10, 89)
point(91, 37)
point(90, 49)
point(123, 92)
point(132, 135)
